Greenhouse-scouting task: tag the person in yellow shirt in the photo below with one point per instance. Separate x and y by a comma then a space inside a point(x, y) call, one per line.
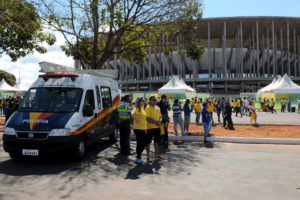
point(282, 102)
point(214, 101)
point(198, 110)
point(193, 102)
point(272, 104)
point(237, 107)
point(210, 109)
point(201, 101)
point(140, 127)
point(1, 106)
point(153, 127)
point(253, 115)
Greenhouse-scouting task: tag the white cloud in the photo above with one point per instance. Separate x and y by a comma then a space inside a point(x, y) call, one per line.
point(29, 67)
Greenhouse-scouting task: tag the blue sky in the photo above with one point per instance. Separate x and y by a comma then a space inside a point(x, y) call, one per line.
point(230, 8)
point(29, 68)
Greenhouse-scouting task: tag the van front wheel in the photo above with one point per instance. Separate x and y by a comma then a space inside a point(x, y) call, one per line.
point(14, 155)
point(80, 149)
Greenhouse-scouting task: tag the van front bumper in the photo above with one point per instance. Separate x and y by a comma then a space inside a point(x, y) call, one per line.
point(54, 144)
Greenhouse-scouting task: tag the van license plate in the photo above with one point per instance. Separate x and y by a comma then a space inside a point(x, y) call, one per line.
point(30, 152)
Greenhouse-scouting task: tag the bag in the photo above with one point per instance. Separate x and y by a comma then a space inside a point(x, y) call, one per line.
point(162, 129)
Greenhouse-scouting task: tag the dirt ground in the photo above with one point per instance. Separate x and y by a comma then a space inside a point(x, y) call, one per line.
point(263, 131)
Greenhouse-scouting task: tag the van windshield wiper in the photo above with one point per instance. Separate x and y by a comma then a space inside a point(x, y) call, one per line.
point(25, 109)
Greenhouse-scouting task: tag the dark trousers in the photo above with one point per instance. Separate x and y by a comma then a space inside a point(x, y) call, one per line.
point(282, 108)
point(124, 136)
point(238, 111)
point(141, 142)
point(219, 113)
point(272, 109)
point(228, 120)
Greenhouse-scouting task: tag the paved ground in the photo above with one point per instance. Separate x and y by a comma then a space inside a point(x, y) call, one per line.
point(262, 118)
point(190, 171)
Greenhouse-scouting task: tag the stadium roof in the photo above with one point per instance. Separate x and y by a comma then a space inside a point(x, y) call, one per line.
point(249, 23)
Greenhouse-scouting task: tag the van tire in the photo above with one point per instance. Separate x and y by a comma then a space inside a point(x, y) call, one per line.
point(80, 149)
point(113, 137)
point(14, 155)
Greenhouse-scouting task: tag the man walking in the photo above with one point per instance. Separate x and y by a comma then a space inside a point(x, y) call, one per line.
point(206, 121)
point(227, 116)
point(245, 106)
point(124, 111)
point(177, 117)
point(223, 107)
point(164, 108)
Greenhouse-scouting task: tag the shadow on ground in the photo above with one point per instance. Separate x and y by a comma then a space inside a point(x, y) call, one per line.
point(179, 157)
point(102, 162)
point(48, 165)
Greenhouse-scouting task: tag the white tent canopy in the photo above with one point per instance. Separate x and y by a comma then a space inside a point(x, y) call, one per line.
point(268, 87)
point(5, 87)
point(20, 87)
point(283, 85)
point(176, 86)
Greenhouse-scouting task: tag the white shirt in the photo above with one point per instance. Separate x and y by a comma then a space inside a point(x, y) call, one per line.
point(246, 103)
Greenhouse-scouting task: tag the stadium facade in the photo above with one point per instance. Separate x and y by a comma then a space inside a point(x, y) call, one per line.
point(242, 54)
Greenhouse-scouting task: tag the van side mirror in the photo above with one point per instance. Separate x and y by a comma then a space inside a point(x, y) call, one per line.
point(87, 110)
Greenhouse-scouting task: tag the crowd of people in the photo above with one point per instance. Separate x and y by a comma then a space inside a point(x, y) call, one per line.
point(149, 119)
point(9, 105)
point(205, 108)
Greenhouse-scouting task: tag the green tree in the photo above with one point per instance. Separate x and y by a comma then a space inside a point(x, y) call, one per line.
point(9, 78)
point(95, 30)
point(21, 29)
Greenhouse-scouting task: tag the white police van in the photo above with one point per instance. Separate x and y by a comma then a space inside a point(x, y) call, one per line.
point(64, 111)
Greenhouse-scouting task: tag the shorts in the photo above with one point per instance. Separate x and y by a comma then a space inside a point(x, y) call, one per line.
point(253, 116)
point(187, 120)
point(153, 133)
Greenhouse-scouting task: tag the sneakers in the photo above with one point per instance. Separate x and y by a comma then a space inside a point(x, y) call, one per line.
point(159, 157)
point(140, 161)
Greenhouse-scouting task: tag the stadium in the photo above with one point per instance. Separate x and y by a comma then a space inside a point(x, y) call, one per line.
point(242, 54)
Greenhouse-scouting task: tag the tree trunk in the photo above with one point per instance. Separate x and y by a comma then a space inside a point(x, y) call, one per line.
point(96, 34)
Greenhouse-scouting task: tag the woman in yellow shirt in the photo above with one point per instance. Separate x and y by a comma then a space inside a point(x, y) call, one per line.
point(139, 128)
point(210, 109)
point(253, 115)
point(198, 110)
point(1, 106)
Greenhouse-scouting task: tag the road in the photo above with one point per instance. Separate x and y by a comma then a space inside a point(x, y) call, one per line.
point(189, 171)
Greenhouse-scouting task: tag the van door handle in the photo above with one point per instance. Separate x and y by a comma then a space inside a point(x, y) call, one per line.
point(95, 116)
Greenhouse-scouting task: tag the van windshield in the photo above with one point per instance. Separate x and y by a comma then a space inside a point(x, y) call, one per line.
point(51, 99)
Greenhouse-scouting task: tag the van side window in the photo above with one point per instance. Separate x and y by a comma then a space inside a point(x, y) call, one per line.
point(98, 97)
point(106, 97)
point(89, 98)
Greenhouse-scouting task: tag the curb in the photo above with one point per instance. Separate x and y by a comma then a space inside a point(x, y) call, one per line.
point(237, 140)
point(241, 140)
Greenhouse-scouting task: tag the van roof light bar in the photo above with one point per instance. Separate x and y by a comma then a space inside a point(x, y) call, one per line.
point(47, 76)
point(52, 68)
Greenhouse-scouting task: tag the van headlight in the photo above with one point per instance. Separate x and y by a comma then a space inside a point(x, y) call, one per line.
point(60, 132)
point(9, 131)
